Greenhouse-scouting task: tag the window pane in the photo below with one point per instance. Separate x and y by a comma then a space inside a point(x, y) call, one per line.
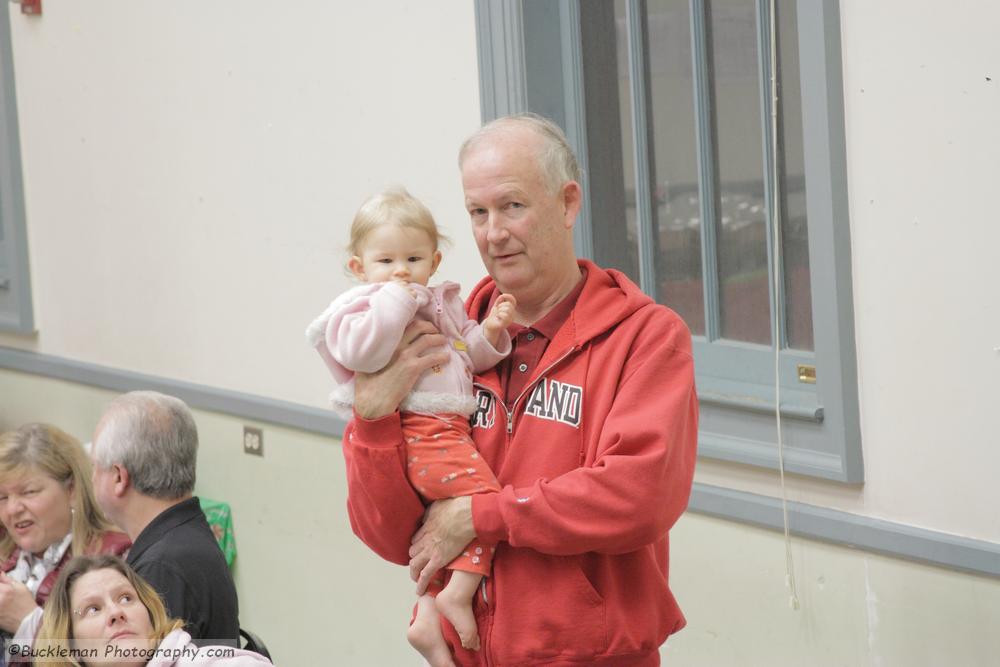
point(738, 129)
point(795, 235)
point(741, 228)
point(621, 251)
point(676, 198)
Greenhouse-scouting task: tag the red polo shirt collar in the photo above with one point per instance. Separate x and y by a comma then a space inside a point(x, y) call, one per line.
point(529, 343)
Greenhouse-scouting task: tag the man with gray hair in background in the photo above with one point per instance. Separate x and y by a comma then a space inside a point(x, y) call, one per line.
point(144, 453)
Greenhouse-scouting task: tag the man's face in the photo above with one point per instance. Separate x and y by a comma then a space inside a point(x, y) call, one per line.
point(521, 228)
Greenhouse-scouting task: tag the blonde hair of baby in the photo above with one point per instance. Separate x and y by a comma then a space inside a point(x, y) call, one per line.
point(394, 206)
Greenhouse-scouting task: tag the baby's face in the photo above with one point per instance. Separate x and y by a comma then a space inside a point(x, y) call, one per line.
point(396, 253)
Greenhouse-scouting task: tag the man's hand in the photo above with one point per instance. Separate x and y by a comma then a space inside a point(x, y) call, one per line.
point(379, 394)
point(446, 530)
point(16, 602)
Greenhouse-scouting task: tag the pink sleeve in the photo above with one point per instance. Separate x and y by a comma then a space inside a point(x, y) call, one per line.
point(480, 351)
point(484, 356)
point(362, 334)
point(638, 482)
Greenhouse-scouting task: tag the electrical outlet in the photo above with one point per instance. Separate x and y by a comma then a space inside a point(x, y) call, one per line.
point(253, 441)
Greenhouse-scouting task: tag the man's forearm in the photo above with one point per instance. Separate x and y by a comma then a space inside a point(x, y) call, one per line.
point(383, 508)
point(615, 509)
point(446, 531)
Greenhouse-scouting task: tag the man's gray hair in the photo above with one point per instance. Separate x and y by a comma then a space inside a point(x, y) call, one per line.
point(555, 156)
point(155, 438)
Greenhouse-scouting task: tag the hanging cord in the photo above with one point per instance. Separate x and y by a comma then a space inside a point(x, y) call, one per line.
point(793, 599)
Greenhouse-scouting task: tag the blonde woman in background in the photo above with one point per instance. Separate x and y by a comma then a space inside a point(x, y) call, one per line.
point(48, 515)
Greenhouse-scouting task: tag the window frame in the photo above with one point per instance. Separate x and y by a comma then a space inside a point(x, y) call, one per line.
point(16, 314)
point(531, 57)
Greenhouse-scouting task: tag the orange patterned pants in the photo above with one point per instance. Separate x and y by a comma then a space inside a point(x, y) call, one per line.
point(442, 462)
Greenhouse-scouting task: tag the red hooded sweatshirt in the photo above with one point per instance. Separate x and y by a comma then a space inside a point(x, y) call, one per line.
point(595, 457)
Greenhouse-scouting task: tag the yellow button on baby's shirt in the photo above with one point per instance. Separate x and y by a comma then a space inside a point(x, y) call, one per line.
point(459, 345)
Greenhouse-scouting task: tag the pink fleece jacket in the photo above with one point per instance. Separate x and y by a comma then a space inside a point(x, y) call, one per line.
point(176, 650)
point(360, 330)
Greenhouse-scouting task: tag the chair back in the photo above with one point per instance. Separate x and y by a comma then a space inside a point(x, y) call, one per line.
point(254, 643)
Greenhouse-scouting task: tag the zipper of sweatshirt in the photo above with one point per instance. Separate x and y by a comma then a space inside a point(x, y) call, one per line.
point(485, 650)
point(509, 412)
point(486, 640)
point(531, 386)
point(487, 628)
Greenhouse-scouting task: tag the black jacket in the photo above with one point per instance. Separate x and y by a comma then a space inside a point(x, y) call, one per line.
point(178, 555)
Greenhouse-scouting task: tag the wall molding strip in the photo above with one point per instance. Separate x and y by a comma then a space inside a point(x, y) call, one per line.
point(239, 404)
point(808, 521)
point(850, 530)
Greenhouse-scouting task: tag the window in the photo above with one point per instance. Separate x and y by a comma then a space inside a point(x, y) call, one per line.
point(15, 289)
point(668, 105)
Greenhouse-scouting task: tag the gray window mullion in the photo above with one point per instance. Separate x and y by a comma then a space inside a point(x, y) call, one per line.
point(821, 76)
point(500, 31)
point(576, 121)
point(637, 55)
point(16, 313)
point(704, 126)
point(771, 203)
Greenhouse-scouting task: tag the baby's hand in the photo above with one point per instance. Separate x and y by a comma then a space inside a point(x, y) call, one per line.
point(499, 318)
point(406, 284)
point(503, 311)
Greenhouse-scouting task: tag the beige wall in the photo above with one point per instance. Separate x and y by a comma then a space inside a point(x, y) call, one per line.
point(317, 596)
point(856, 609)
point(190, 171)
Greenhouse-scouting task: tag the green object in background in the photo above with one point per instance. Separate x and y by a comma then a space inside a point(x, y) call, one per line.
point(220, 519)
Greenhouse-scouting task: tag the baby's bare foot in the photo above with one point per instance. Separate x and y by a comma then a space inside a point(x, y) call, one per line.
point(458, 610)
point(425, 634)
